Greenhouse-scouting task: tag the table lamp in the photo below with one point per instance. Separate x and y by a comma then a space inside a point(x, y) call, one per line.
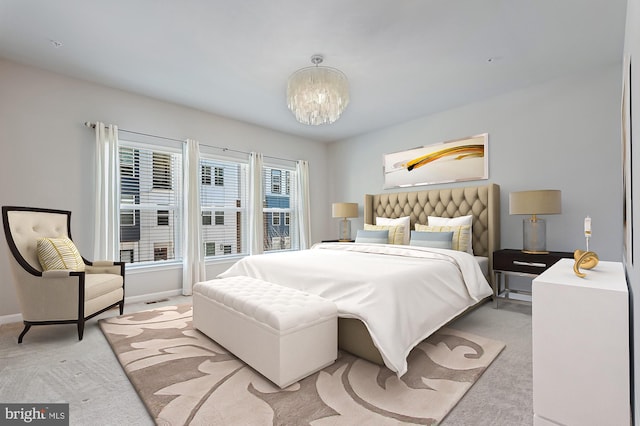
point(534, 203)
point(344, 210)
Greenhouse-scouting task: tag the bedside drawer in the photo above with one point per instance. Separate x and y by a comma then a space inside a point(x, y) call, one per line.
point(527, 263)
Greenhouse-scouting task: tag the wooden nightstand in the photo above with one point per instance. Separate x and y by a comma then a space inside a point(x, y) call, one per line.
point(508, 262)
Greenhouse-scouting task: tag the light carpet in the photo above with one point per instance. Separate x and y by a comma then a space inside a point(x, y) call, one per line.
point(183, 377)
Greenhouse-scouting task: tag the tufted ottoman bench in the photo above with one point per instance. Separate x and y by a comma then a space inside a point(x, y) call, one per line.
point(283, 333)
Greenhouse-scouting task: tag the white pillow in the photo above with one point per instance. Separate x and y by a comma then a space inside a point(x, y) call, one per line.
point(454, 221)
point(395, 232)
point(403, 222)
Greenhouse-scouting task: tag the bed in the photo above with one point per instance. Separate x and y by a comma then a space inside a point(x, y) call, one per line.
point(387, 303)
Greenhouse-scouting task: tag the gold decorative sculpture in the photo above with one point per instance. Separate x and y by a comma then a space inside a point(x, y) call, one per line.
point(585, 260)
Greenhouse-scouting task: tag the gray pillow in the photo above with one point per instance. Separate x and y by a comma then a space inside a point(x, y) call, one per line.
point(431, 239)
point(372, 237)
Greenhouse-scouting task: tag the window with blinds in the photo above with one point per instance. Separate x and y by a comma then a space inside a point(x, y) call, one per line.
point(280, 192)
point(150, 203)
point(223, 201)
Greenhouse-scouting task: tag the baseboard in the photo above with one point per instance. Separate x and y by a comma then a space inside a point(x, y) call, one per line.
point(7, 319)
point(150, 297)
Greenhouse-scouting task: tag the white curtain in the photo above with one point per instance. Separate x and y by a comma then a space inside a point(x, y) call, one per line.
point(256, 196)
point(107, 194)
point(193, 267)
point(303, 209)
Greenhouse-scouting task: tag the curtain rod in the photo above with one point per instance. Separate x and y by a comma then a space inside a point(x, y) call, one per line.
point(93, 126)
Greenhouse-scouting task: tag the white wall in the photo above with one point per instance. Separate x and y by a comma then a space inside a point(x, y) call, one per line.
point(560, 135)
point(46, 155)
point(632, 48)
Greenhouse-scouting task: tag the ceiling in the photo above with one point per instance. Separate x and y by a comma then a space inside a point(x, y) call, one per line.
point(404, 58)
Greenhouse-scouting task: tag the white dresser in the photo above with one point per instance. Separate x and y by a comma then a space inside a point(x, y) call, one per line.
point(581, 346)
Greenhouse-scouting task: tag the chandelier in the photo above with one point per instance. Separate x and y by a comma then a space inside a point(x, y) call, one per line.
point(317, 95)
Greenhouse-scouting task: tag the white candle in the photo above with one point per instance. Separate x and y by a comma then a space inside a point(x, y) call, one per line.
point(587, 225)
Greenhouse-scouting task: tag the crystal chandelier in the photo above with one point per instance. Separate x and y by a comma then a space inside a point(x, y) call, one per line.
point(317, 95)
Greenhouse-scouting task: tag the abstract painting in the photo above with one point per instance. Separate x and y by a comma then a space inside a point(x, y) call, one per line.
point(451, 161)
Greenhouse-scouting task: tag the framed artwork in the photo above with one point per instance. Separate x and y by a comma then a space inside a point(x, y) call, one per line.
point(627, 167)
point(451, 161)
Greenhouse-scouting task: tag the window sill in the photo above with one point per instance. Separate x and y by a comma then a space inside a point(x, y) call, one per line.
point(138, 268)
point(224, 259)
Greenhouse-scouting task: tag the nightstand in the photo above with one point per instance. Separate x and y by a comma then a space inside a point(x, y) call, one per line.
point(508, 262)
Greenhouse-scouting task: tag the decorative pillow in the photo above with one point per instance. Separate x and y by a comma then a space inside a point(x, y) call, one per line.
point(461, 235)
point(453, 221)
point(432, 239)
point(403, 222)
point(372, 237)
point(59, 253)
point(395, 232)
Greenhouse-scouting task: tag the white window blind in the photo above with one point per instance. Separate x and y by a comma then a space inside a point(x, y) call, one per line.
point(224, 207)
point(280, 230)
point(150, 203)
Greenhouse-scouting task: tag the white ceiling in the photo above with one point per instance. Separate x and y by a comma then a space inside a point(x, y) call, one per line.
point(404, 58)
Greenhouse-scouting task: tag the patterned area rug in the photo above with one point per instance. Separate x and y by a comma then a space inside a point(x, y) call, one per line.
point(184, 377)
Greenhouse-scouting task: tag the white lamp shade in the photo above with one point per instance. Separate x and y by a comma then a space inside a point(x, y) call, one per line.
point(344, 210)
point(545, 201)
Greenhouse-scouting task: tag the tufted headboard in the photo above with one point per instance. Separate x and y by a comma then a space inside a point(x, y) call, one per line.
point(483, 202)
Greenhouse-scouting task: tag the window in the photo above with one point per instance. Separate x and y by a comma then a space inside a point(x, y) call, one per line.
point(127, 162)
point(280, 232)
point(127, 213)
point(287, 182)
point(206, 218)
point(160, 253)
point(150, 219)
point(206, 175)
point(219, 177)
point(161, 171)
point(276, 181)
point(126, 255)
point(209, 249)
point(163, 217)
point(219, 218)
point(224, 205)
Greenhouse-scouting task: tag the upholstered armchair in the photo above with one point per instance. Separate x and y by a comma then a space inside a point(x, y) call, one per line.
point(68, 294)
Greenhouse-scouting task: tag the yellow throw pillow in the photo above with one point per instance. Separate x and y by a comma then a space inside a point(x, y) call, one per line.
point(59, 253)
point(396, 236)
point(461, 234)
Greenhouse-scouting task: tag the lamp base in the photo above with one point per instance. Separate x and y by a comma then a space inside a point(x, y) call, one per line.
point(534, 236)
point(345, 230)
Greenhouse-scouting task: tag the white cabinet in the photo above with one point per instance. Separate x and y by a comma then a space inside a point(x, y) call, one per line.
point(581, 346)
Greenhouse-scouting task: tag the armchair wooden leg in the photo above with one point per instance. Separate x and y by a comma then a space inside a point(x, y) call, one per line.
point(122, 307)
point(26, 328)
point(80, 328)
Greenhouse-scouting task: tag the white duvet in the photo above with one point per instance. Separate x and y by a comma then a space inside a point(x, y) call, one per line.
point(402, 294)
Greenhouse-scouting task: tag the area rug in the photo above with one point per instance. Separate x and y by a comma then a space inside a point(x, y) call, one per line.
point(185, 378)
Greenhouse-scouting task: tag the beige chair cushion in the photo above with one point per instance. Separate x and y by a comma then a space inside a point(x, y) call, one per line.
point(97, 285)
point(59, 253)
